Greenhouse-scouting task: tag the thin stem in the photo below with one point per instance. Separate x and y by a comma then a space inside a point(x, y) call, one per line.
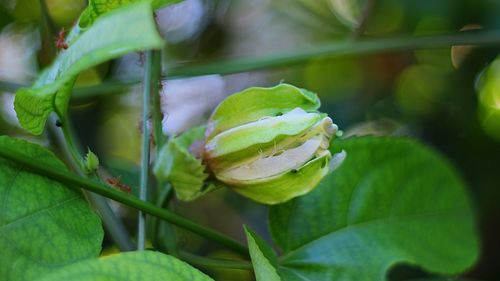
point(157, 116)
point(339, 49)
point(113, 225)
point(76, 182)
point(11, 87)
point(48, 51)
point(71, 145)
point(169, 243)
point(327, 50)
point(163, 188)
point(210, 262)
point(143, 188)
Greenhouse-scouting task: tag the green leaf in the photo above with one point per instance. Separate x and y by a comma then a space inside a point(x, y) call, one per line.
point(128, 29)
point(151, 266)
point(263, 258)
point(178, 166)
point(255, 103)
point(98, 8)
point(43, 224)
point(391, 201)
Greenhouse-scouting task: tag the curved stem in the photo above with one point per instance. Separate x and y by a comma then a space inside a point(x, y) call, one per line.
point(71, 145)
point(113, 225)
point(77, 182)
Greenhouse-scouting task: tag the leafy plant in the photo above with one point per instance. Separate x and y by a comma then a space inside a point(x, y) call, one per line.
point(383, 201)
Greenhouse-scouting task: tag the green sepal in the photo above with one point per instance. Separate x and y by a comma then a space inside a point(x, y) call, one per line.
point(183, 170)
point(285, 186)
point(255, 103)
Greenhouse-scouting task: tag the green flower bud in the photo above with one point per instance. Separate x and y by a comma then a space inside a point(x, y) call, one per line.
point(268, 144)
point(91, 162)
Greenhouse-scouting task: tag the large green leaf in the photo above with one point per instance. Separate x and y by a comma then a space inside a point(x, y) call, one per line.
point(150, 266)
point(391, 201)
point(98, 8)
point(121, 31)
point(43, 224)
point(263, 258)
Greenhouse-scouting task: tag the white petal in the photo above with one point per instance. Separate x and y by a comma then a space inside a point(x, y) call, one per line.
point(273, 165)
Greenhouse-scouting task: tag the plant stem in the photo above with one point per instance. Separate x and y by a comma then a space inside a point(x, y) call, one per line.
point(48, 50)
point(113, 225)
point(340, 49)
point(11, 87)
point(71, 145)
point(163, 188)
point(210, 262)
point(77, 182)
point(147, 92)
point(328, 50)
point(157, 116)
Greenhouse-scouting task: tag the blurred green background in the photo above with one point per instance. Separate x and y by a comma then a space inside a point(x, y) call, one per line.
point(448, 98)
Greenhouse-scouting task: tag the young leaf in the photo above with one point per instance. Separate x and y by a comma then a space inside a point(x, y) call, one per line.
point(43, 225)
point(263, 258)
point(124, 30)
point(145, 265)
point(391, 201)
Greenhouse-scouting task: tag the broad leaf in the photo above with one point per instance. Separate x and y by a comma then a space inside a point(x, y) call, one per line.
point(391, 201)
point(151, 266)
point(43, 224)
point(263, 258)
point(98, 8)
point(124, 30)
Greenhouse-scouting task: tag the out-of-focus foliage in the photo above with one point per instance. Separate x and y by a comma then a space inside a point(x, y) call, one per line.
point(489, 99)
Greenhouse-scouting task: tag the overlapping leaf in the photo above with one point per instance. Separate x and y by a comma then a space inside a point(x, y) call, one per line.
point(391, 201)
point(43, 224)
point(121, 31)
